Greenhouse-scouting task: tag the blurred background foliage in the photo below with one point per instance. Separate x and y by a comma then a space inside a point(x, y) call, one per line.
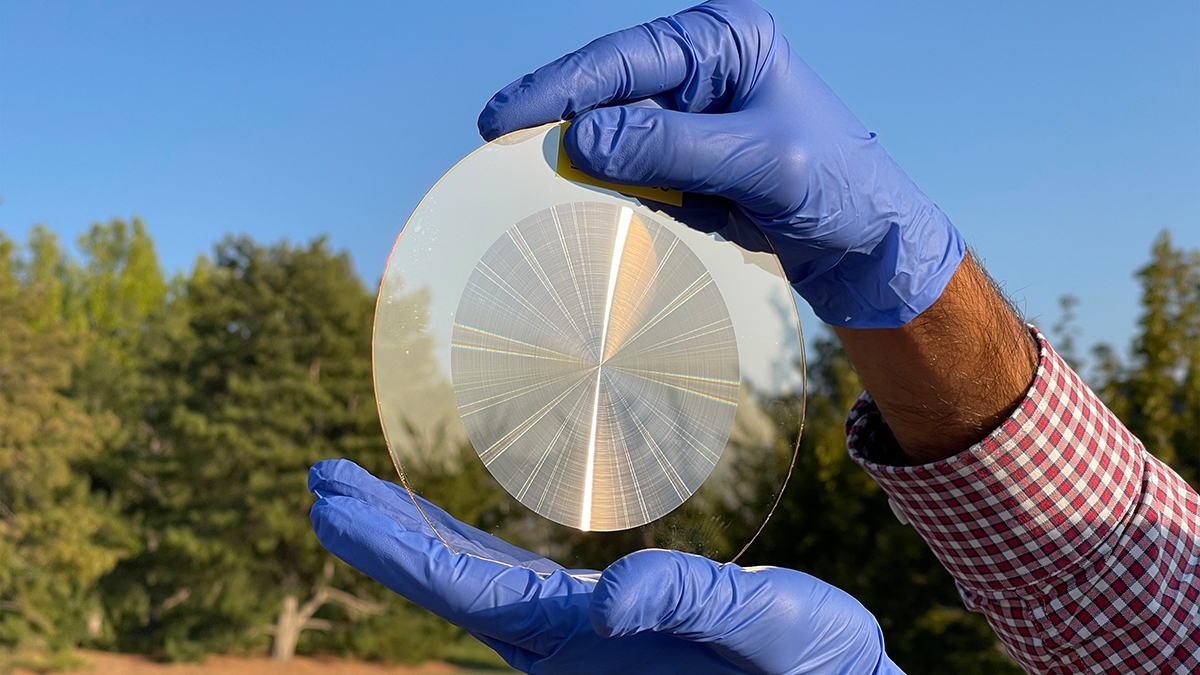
point(156, 433)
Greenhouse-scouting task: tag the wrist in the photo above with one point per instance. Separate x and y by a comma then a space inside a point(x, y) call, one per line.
point(948, 378)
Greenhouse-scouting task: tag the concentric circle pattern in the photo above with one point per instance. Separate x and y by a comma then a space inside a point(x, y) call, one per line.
point(595, 366)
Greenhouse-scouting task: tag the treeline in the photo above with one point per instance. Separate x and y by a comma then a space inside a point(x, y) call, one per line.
point(155, 437)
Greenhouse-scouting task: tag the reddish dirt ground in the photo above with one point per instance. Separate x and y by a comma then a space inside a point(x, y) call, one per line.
point(104, 663)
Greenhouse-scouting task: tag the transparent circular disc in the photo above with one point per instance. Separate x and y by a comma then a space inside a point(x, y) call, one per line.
point(563, 367)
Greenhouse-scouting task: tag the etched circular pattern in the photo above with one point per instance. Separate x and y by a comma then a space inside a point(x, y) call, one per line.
point(595, 366)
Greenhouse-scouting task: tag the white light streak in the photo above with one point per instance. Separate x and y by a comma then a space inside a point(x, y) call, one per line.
point(626, 214)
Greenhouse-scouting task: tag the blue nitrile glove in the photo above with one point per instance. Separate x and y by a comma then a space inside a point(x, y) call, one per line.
point(653, 611)
point(740, 116)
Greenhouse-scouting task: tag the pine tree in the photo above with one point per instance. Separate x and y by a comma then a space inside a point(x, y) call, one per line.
point(119, 293)
point(56, 536)
point(1158, 395)
point(270, 375)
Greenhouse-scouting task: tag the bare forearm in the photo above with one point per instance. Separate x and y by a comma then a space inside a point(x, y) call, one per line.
point(950, 376)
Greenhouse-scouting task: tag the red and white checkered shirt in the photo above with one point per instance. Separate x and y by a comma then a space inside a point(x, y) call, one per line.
point(1082, 549)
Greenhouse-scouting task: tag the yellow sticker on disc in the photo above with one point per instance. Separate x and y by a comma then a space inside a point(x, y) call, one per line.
point(572, 173)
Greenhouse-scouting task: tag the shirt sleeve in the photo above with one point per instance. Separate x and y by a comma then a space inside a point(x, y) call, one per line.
point(1081, 548)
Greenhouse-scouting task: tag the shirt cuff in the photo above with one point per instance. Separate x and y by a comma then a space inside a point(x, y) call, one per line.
point(1057, 481)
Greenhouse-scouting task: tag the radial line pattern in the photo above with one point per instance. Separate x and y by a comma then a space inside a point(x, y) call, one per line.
point(595, 366)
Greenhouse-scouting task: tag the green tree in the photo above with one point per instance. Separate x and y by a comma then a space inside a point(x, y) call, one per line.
point(120, 294)
point(1065, 332)
point(1158, 394)
point(269, 374)
point(56, 536)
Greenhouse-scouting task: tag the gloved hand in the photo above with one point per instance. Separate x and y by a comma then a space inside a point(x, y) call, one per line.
point(738, 115)
point(653, 611)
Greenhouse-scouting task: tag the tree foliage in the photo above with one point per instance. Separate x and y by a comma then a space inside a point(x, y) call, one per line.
point(268, 374)
point(1157, 395)
point(57, 538)
point(155, 437)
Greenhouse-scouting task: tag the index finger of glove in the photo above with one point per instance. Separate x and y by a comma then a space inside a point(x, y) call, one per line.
point(346, 479)
point(630, 64)
point(508, 603)
point(708, 57)
point(340, 477)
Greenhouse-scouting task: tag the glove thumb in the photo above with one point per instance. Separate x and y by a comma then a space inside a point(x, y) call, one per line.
point(764, 619)
point(653, 147)
point(672, 592)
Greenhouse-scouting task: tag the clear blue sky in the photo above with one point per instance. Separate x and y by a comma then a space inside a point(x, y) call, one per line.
point(1059, 136)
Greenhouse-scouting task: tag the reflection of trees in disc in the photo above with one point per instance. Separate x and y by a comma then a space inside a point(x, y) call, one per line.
point(595, 366)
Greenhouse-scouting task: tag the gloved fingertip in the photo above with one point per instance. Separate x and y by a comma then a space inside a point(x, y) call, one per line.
point(334, 515)
point(522, 104)
point(317, 473)
point(324, 518)
point(507, 111)
point(636, 593)
point(579, 140)
point(326, 477)
point(489, 124)
point(321, 506)
point(602, 142)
